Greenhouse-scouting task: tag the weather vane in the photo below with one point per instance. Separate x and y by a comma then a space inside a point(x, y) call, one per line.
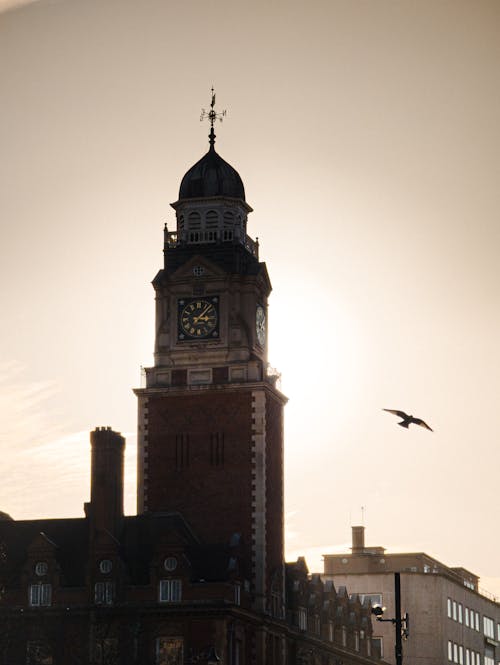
point(212, 115)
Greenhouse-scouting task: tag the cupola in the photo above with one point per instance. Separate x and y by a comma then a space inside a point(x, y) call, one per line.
point(211, 207)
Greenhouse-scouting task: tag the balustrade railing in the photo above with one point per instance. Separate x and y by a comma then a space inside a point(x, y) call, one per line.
point(199, 237)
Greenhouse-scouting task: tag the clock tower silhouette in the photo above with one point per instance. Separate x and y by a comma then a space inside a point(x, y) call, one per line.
point(210, 427)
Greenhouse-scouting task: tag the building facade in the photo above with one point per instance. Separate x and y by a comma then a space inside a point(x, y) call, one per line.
point(450, 619)
point(198, 575)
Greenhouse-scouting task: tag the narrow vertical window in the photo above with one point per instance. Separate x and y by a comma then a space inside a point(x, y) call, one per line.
point(181, 451)
point(217, 449)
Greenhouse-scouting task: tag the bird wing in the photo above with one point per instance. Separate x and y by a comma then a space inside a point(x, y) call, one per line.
point(401, 414)
point(419, 421)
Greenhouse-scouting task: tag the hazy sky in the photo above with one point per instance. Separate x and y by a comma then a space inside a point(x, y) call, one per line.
point(366, 133)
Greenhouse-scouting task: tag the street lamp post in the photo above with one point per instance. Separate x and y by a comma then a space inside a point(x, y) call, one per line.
point(401, 624)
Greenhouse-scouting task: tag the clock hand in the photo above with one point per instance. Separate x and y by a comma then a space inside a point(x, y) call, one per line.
point(202, 317)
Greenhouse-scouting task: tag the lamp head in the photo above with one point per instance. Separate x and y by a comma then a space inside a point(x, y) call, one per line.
point(378, 611)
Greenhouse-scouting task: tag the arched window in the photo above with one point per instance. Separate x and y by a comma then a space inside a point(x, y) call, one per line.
point(211, 220)
point(194, 221)
point(228, 231)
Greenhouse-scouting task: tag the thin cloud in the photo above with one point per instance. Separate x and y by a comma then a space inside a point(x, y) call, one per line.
point(23, 408)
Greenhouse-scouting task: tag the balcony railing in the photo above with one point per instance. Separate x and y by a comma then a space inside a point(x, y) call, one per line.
point(201, 237)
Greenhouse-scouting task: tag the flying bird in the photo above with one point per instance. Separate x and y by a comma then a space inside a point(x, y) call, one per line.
point(407, 420)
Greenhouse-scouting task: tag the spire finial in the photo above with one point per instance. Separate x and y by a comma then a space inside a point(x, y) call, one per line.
point(212, 116)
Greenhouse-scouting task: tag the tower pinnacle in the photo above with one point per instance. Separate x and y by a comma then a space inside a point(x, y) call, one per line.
point(212, 116)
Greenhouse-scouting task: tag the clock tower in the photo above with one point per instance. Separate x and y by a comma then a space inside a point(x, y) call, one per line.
point(210, 431)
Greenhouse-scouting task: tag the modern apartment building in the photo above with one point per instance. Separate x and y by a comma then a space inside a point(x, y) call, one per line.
point(450, 619)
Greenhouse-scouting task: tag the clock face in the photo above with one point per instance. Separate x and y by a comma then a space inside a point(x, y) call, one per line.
point(198, 318)
point(260, 325)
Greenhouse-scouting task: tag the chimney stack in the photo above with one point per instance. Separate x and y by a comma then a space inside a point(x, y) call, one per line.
point(358, 539)
point(106, 485)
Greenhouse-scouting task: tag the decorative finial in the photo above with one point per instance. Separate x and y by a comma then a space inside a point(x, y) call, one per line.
point(212, 115)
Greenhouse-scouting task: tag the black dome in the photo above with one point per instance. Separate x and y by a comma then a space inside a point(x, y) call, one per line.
point(211, 176)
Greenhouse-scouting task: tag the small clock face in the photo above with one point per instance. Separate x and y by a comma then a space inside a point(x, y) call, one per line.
point(260, 325)
point(198, 318)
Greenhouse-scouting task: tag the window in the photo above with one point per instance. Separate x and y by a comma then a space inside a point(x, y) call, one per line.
point(170, 563)
point(477, 621)
point(467, 616)
point(459, 612)
point(103, 593)
point(454, 610)
point(489, 656)
point(373, 598)
point(489, 627)
point(211, 220)
point(105, 566)
point(302, 618)
point(181, 450)
point(40, 595)
point(217, 448)
point(455, 653)
point(356, 640)
point(194, 220)
point(169, 651)
point(330, 631)
point(461, 655)
point(467, 657)
point(449, 608)
point(276, 604)
point(378, 647)
point(41, 568)
point(344, 636)
point(170, 591)
point(237, 594)
point(450, 650)
point(427, 568)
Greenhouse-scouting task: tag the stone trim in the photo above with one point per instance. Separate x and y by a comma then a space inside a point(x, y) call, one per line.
point(259, 497)
point(142, 455)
